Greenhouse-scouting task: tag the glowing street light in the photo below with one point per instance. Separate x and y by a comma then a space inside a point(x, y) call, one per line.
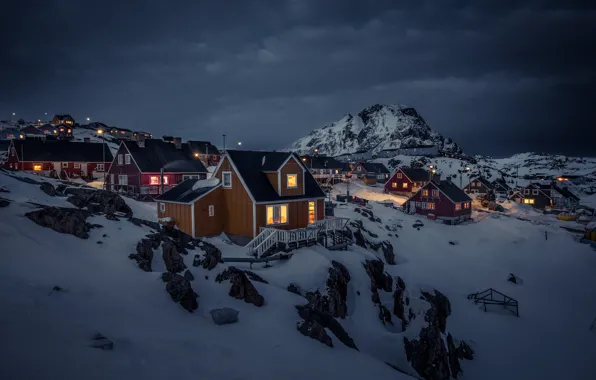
point(88, 119)
point(100, 131)
point(239, 143)
point(196, 155)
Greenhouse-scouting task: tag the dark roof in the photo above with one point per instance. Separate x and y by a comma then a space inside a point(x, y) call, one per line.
point(321, 162)
point(31, 130)
point(566, 193)
point(184, 192)
point(251, 169)
point(501, 182)
point(415, 174)
point(59, 150)
point(159, 154)
point(203, 147)
point(374, 167)
point(62, 117)
point(452, 191)
point(484, 181)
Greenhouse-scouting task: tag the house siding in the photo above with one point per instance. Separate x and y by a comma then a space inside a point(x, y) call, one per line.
point(320, 209)
point(237, 209)
point(291, 167)
point(411, 187)
point(180, 213)
point(444, 207)
point(131, 170)
point(206, 225)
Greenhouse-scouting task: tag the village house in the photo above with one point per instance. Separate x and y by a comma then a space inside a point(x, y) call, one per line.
point(249, 191)
point(501, 188)
point(32, 132)
point(370, 172)
point(541, 195)
point(206, 152)
point(63, 119)
point(480, 185)
point(441, 200)
point(11, 134)
point(326, 170)
point(152, 166)
point(346, 157)
point(406, 181)
point(121, 133)
point(146, 134)
point(60, 159)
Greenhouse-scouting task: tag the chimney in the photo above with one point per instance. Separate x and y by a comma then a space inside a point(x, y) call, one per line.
point(141, 140)
point(178, 142)
point(87, 139)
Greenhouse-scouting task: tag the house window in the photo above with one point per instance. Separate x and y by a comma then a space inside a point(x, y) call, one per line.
point(430, 206)
point(100, 168)
point(162, 207)
point(425, 193)
point(277, 214)
point(226, 179)
point(211, 210)
point(37, 167)
point(120, 159)
point(435, 193)
point(526, 191)
point(457, 206)
point(154, 180)
point(312, 212)
point(122, 179)
point(77, 165)
point(336, 171)
point(292, 181)
point(534, 191)
point(359, 168)
point(398, 175)
point(386, 175)
point(404, 185)
point(466, 204)
point(529, 201)
point(65, 164)
point(394, 185)
point(127, 159)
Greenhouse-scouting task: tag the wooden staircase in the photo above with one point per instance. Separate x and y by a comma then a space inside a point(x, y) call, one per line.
point(327, 232)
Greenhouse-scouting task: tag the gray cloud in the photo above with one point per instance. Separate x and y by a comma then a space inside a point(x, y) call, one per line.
point(496, 77)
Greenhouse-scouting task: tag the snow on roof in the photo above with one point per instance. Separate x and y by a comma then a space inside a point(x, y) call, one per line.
point(211, 182)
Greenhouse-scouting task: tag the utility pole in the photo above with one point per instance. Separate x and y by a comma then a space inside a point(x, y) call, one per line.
point(224, 142)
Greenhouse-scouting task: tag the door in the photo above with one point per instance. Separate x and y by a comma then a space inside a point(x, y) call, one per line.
point(122, 179)
point(84, 169)
point(312, 212)
point(111, 181)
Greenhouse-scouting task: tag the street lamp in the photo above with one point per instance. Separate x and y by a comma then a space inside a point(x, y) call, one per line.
point(239, 143)
point(103, 148)
point(88, 119)
point(461, 171)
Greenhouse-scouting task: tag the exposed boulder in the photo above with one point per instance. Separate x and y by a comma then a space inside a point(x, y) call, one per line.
point(144, 255)
point(360, 240)
point(379, 279)
point(67, 221)
point(335, 301)
point(181, 292)
point(107, 201)
point(255, 277)
point(77, 201)
point(315, 331)
point(293, 288)
point(48, 188)
point(100, 341)
point(384, 315)
point(388, 252)
point(453, 359)
point(189, 276)
point(212, 256)
point(442, 307)
point(173, 260)
point(399, 303)
point(428, 355)
point(224, 316)
point(242, 288)
point(514, 279)
point(167, 276)
point(326, 320)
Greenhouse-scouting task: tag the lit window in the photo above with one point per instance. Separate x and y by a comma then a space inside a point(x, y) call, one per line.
point(196, 155)
point(65, 164)
point(359, 168)
point(529, 201)
point(162, 207)
point(425, 193)
point(211, 210)
point(127, 159)
point(226, 179)
point(120, 159)
point(55, 131)
point(61, 129)
point(69, 130)
point(122, 132)
point(386, 175)
point(394, 185)
point(457, 206)
point(404, 185)
point(435, 193)
point(21, 136)
point(466, 204)
point(100, 167)
point(398, 175)
point(312, 212)
point(430, 206)
point(292, 181)
point(37, 167)
point(336, 171)
point(77, 165)
point(277, 214)
point(154, 180)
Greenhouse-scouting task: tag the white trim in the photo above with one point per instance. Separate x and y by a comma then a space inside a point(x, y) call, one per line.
point(254, 219)
point(209, 208)
point(279, 183)
point(223, 182)
point(281, 201)
point(162, 207)
point(237, 173)
point(192, 219)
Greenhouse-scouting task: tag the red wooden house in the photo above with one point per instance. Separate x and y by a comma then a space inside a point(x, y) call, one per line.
point(62, 159)
point(152, 166)
point(441, 200)
point(406, 181)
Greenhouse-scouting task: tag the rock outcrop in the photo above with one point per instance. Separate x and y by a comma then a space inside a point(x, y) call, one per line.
point(106, 201)
point(335, 301)
point(63, 220)
point(399, 303)
point(314, 330)
point(144, 255)
point(48, 188)
point(172, 259)
point(388, 252)
point(315, 318)
point(181, 291)
point(242, 288)
point(212, 256)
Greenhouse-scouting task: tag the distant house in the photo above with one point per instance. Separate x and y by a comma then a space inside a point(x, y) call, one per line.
point(378, 170)
point(416, 150)
point(64, 132)
point(323, 168)
point(122, 133)
point(206, 152)
point(63, 119)
point(152, 166)
point(542, 195)
point(501, 188)
point(406, 181)
point(11, 134)
point(62, 159)
point(441, 200)
point(346, 157)
point(480, 186)
point(48, 129)
point(32, 132)
point(249, 191)
point(146, 134)
point(362, 155)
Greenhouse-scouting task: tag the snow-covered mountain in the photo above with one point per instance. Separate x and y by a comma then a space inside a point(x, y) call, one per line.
point(376, 127)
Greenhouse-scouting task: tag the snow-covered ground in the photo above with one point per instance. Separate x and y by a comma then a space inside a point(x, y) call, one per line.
point(45, 334)
point(359, 189)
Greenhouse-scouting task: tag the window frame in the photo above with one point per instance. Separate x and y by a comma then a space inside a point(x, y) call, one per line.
point(288, 181)
point(34, 165)
point(100, 168)
point(211, 210)
point(424, 192)
point(120, 159)
point(120, 176)
point(394, 185)
point(77, 165)
point(534, 191)
point(223, 179)
point(64, 165)
point(458, 207)
point(435, 191)
point(127, 159)
point(308, 211)
point(526, 191)
point(162, 207)
point(404, 185)
point(399, 175)
point(430, 206)
point(466, 205)
point(274, 206)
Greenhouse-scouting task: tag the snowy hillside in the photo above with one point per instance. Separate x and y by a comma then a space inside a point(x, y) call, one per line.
point(57, 291)
point(90, 131)
point(376, 127)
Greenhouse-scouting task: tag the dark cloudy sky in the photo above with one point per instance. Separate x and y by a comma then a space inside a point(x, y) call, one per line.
point(497, 78)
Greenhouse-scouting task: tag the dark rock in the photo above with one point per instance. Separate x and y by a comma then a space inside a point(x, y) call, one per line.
point(96, 226)
point(384, 315)
point(453, 359)
point(327, 321)
point(100, 341)
point(67, 221)
point(99, 242)
point(452, 242)
point(464, 351)
point(242, 288)
point(57, 288)
point(399, 304)
point(107, 201)
point(77, 201)
point(173, 260)
point(48, 188)
point(167, 276)
point(144, 255)
point(105, 235)
point(4, 202)
point(112, 217)
point(224, 316)
point(315, 331)
point(181, 292)
point(255, 277)
point(196, 261)
point(388, 252)
point(379, 279)
point(418, 224)
point(360, 240)
point(212, 255)
point(4, 190)
point(514, 279)
point(292, 288)
point(189, 276)
point(428, 355)
point(442, 307)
